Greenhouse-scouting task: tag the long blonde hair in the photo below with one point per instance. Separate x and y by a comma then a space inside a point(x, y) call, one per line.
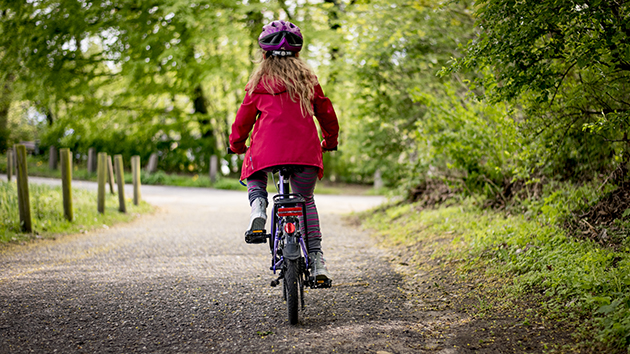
point(298, 79)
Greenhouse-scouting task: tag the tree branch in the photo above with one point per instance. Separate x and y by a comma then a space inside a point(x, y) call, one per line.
point(561, 81)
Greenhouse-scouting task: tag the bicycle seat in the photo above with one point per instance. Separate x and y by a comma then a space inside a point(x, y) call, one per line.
point(288, 198)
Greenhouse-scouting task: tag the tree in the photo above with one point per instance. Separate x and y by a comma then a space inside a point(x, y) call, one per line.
point(134, 76)
point(40, 46)
point(567, 64)
point(39, 53)
point(5, 104)
point(394, 51)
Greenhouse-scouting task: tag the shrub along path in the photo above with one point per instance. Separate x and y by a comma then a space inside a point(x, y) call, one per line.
point(183, 280)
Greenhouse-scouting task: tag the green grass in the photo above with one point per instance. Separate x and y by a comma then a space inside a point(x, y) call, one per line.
point(47, 212)
point(579, 281)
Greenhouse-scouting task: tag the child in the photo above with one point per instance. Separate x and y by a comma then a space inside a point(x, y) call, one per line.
point(282, 97)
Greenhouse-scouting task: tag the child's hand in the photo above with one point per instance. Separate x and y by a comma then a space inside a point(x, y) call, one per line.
point(325, 149)
point(232, 150)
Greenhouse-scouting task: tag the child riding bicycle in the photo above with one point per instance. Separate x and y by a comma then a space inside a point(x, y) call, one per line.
point(283, 95)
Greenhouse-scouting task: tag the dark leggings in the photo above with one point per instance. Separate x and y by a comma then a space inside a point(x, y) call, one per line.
point(302, 183)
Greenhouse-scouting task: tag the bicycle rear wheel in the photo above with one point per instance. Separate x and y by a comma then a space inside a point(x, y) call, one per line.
point(291, 285)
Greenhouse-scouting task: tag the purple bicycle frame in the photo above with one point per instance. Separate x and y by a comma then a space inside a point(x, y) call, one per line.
point(276, 233)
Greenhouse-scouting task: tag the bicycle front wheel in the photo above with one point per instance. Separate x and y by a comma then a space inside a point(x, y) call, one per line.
point(291, 284)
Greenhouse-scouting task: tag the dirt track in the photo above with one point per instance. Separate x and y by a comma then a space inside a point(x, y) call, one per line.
point(183, 280)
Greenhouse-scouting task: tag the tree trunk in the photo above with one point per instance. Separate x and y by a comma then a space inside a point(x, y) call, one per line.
point(201, 111)
point(254, 24)
point(333, 23)
point(5, 104)
point(4, 126)
point(50, 118)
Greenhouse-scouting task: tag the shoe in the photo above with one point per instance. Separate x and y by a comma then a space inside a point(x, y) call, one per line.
point(318, 267)
point(258, 217)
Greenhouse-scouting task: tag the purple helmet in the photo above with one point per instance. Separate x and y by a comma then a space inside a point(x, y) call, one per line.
point(279, 36)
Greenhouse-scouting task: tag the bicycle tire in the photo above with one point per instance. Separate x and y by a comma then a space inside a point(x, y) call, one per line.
point(291, 284)
point(302, 290)
point(284, 291)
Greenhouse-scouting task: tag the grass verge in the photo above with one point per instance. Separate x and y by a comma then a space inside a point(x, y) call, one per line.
point(47, 213)
point(527, 258)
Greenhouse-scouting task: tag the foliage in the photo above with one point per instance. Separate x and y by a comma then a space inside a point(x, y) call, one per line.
point(411, 123)
point(567, 65)
point(554, 73)
point(167, 76)
point(135, 77)
point(467, 140)
point(122, 67)
point(47, 212)
point(394, 51)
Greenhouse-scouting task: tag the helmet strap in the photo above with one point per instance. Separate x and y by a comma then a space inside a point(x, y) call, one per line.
point(280, 53)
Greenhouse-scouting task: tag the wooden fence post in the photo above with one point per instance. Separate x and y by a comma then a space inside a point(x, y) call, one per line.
point(135, 171)
point(153, 161)
point(15, 160)
point(101, 174)
point(214, 167)
point(378, 179)
point(110, 174)
point(66, 182)
point(120, 181)
point(234, 163)
point(91, 162)
point(52, 158)
point(9, 164)
point(22, 184)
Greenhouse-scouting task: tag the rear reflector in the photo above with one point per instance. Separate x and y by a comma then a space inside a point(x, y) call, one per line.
point(289, 227)
point(297, 211)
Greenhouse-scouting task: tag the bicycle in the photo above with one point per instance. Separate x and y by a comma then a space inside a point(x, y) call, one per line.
point(289, 250)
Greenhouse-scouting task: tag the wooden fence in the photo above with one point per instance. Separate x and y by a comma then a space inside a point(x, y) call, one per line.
point(16, 160)
point(108, 172)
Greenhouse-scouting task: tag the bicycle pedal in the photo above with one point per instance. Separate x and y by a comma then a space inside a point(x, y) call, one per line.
point(322, 284)
point(256, 236)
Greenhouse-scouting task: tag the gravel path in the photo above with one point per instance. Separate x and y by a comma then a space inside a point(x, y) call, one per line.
point(183, 280)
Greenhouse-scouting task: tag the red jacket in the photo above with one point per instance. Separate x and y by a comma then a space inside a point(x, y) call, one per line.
point(282, 135)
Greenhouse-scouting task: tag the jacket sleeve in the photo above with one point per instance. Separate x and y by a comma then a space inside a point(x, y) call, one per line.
point(325, 114)
point(242, 126)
